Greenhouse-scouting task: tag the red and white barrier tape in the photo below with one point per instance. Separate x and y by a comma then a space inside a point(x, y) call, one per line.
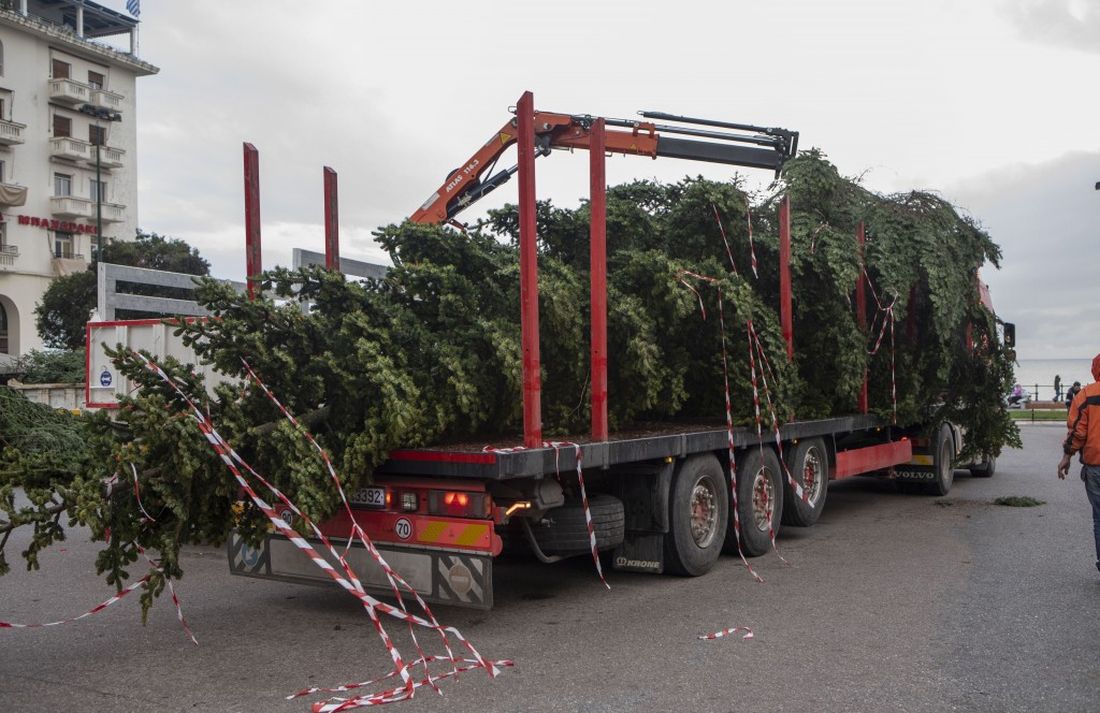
point(584, 501)
point(137, 494)
point(94, 610)
point(172, 592)
point(769, 502)
point(800, 492)
point(396, 581)
point(735, 509)
point(725, 240)
point(752, 248)
point(888, 319)
point(109, 485)
point(350, 583)
point(728, 632)
point(557, 445)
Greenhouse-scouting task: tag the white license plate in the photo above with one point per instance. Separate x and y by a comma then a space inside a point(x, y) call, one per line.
point(370, 497)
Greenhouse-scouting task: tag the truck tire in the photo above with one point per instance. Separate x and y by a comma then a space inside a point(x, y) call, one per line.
point(809, 465)
point(943, 465)
point(985, 469)
point(759, 502)
point(563, 531)
point(698, 509)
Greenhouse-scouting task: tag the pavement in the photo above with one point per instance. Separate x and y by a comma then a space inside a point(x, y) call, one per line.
point(891, 602)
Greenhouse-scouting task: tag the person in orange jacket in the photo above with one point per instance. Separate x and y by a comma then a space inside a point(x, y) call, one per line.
point(1084, 438)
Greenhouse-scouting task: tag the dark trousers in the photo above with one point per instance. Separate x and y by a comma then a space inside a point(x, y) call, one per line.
point(1091, 475)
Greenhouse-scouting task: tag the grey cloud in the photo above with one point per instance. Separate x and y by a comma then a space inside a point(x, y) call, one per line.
point(1046, 217)
point(1062, 23)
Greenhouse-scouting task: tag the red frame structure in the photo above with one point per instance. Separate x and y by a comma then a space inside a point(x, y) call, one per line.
point(253, 261)
point(529, 273)
point(785, 314)
point(598, 278)
point(332, 221)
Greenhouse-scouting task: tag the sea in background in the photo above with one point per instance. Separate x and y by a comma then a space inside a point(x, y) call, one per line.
point(1030, 372)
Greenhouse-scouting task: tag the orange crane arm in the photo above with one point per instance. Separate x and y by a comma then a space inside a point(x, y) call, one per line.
point(469, 183)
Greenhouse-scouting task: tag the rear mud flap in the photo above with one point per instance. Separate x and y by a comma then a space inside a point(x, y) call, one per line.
point(641, 553)
point(456, 578)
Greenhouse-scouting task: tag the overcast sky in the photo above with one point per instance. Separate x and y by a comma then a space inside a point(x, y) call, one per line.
point(993, 103)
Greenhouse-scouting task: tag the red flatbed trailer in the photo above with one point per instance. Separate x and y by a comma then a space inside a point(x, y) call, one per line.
point(660, 498)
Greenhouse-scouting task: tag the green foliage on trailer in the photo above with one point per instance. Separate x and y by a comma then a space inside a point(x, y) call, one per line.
point(432, 353)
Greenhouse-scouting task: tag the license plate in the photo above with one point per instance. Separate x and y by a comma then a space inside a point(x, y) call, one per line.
point(370, 497)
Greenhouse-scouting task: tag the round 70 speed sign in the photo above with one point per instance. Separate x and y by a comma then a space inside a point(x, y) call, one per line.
point(403, 528)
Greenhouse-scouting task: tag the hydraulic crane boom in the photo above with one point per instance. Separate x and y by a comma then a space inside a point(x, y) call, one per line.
point(752, 146)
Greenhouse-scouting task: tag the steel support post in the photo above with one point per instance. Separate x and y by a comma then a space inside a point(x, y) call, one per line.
point(598, 274)
point(528, 273)
point(861, 311)
point(785, 319)
point(253, 262)
point(332, 222)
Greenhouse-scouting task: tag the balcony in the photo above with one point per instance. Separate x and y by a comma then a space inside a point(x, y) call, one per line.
point(106, 99)
point(68, 91)
point(11, 132)
point(109, 157)
point(112, 212)
point(8, 255)
point(70, 148)
point(73, 207)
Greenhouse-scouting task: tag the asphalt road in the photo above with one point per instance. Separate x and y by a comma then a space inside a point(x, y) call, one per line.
point(890, 603)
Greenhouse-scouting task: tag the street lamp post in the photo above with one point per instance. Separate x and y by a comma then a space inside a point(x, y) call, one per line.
point(98, 203)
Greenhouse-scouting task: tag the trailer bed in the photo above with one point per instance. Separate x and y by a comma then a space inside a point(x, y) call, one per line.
point(508, 460)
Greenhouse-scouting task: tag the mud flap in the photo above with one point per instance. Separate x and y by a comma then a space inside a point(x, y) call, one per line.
point(641, 553)
point(460, 579)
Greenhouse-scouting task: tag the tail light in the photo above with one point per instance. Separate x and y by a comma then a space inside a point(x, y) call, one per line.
point(458, 503)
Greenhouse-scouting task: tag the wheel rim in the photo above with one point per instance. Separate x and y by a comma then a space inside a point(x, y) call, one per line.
point(704, 512)
point(813, 480)
point(763, 500)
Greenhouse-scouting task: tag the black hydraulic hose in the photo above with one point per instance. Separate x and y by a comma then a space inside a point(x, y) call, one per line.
point(543, 557)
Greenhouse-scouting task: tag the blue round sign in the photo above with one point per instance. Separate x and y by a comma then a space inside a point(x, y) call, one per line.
point(105, 378)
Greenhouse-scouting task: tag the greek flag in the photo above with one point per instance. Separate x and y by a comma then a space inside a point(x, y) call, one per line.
point(134, 7)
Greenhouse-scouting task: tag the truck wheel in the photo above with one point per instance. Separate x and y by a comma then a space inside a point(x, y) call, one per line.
point(943, 466)
point(565, 532)
point(985, 469)
point(809, 465)
point(698, 511)
point(759, 501)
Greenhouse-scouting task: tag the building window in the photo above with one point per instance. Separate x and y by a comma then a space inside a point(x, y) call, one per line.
point(96, 80)
point(62, 125)
point(1, 59)
point(60, 70)
point(97, 135)
point(63, 245)
point(99, 191)
point(3, 330)
point(3, 173)
point(62, 184)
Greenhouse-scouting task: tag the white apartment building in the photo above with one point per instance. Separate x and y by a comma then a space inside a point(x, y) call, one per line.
point(67, 102)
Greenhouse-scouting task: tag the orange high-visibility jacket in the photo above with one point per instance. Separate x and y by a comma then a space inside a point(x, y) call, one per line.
point(1084, 421)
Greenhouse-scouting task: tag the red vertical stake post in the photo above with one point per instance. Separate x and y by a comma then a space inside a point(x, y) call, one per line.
point(332, 222)
point(529, 273)
point(252, 252)
point(861, 311)
point(785, 275)
point(598, 275)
